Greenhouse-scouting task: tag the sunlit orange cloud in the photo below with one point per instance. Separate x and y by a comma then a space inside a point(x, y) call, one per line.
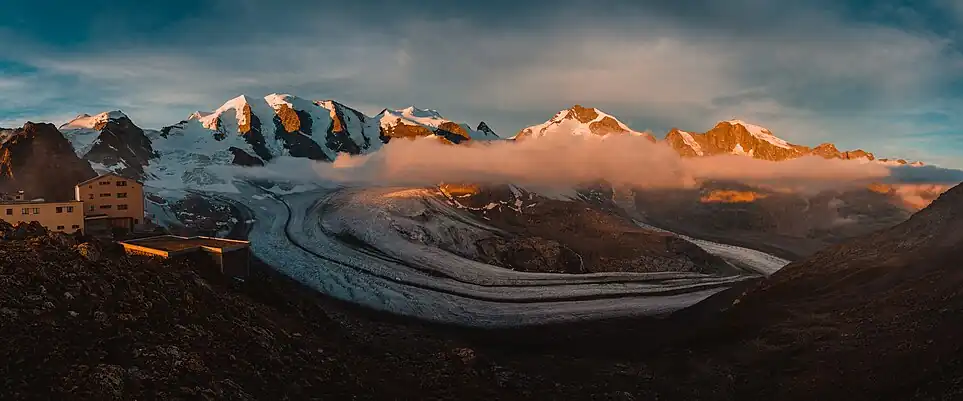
point(565, 161)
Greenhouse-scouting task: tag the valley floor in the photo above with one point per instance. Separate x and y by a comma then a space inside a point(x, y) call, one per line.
point(352, 251)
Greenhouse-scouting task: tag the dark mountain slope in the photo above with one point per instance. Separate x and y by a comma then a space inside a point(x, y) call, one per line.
point(121, 146)
point(40, 161)
point(875, 318)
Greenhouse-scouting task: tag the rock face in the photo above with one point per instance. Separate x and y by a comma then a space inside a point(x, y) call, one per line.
point(485, 129)
point(685, 143)
point(40, 161)
point(242, 158)
point(580, 121)
point(741, 138)
point(734, 137)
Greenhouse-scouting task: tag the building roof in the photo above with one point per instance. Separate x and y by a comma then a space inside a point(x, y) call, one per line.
point(105, 175)
point(35, 202)
point(173, 243)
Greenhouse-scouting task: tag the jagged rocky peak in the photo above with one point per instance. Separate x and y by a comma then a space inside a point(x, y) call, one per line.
point(685, 143)
point(110, 142)
point(485, 129)
point(283, 125)
point(827, 150)
point(740, 137)
point(734, 137)
point(38, 160)
point(581, 121)
point(858, 154)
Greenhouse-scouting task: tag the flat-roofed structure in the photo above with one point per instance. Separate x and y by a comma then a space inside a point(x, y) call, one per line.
point(232, 257)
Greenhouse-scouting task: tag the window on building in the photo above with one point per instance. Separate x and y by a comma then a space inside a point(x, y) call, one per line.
point(60, 209)
point(90, 186)
point(121, 183)
point(122, 194)
point(105, 206)
point(36, 210)
point(91, 208)
point(9, 212)
point(60, 227)
point(104, 195)
point(25, 211)
point(70, 209)
point(105, 183)
point(75, 226)
point(91, 196)
point(136, 221)
point(121, 207)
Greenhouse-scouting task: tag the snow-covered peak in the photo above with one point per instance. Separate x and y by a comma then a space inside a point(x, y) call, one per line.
point(237, 104)
point(276, 101)
point(426, 117)
point(242, 106)
point(581, 121)
point(414, 112)
point(761, 133)
point(86, 121)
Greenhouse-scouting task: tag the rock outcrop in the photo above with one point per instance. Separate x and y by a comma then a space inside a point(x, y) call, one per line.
point(38, 160)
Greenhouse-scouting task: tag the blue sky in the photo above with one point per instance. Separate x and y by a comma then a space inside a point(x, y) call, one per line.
point(885, 76)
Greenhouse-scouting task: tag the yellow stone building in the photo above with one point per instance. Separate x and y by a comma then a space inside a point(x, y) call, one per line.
point(111, 200)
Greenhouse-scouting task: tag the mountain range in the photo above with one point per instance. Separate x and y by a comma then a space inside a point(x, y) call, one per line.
point(253, 131)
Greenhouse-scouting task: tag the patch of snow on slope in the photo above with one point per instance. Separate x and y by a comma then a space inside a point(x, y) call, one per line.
point(82, 139)
point(691, 142)
point(761, 133)
point(738, 150)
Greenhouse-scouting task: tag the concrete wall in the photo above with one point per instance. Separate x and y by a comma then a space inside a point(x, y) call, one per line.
point(56, 216)
point(114, 196)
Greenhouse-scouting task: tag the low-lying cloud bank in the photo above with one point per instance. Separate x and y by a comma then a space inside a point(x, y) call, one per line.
point(566, 161)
